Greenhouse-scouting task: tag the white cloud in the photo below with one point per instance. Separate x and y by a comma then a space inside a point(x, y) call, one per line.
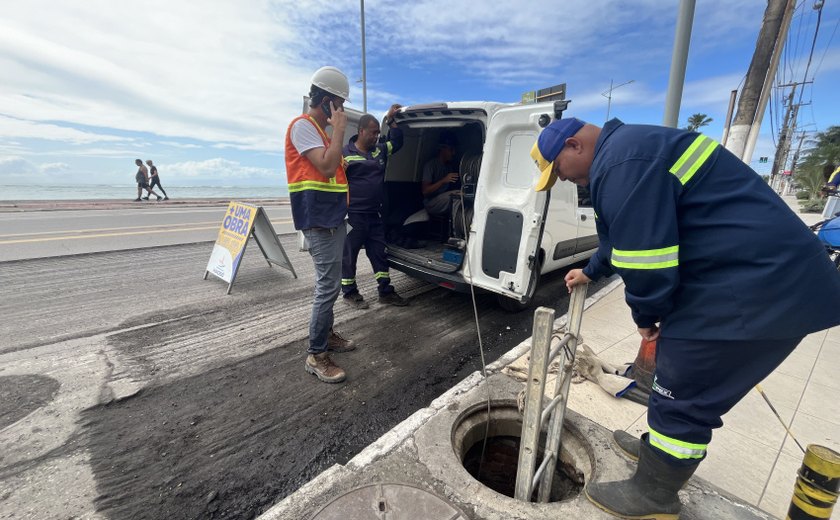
point(16, 169)
point(217, 169)
point(16, 166)
point(214, 71)
point(31, 129)
point(179, 145)
point(56, 167)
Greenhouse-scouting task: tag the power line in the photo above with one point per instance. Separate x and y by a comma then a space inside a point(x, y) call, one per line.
point(796, 40)
point(827, 46)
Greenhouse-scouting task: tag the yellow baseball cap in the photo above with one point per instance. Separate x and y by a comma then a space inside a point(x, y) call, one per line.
point(549, 145)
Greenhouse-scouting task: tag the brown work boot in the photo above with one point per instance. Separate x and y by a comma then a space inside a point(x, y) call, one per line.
point(336, 343)
point(323, 368)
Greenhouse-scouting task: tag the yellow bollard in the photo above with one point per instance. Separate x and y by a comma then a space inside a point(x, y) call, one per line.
point(817, 485)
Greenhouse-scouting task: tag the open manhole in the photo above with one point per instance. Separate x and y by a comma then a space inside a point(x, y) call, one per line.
point(497, 468)
point(389, 502)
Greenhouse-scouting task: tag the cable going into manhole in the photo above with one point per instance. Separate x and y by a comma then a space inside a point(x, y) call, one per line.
point(477, 331)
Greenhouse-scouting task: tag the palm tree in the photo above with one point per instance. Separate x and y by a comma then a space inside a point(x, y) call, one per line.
point(823, 150)
point(696, 121)
point(821, 157)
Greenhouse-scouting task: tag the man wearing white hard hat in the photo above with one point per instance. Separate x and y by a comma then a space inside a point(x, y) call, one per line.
point(318, 193)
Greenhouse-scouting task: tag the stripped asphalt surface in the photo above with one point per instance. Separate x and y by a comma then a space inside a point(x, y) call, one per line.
point(131, 388)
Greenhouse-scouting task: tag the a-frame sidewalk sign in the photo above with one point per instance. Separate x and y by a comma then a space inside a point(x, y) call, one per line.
point(242, 221)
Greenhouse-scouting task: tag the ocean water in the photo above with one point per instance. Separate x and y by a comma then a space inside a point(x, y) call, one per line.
point(102, 191)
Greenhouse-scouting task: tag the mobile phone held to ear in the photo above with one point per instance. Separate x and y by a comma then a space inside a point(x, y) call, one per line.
point(325, 106)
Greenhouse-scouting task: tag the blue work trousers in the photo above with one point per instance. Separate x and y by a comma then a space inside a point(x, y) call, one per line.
point(325, 247)
point(368, 230)
point(696, 382)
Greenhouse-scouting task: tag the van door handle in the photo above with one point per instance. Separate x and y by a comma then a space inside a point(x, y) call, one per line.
point(583, 217)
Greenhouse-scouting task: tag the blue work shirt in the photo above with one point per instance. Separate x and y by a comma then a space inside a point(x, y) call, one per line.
point(366, 172)
point(702, 243)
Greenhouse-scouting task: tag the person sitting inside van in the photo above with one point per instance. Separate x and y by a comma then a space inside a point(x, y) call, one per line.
point(440, 177)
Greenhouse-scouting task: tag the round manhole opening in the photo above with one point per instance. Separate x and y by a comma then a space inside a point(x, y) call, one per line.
point(389, 501)
point(494, 463)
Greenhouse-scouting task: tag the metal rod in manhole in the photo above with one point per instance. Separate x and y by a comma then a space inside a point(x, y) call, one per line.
point(528, 476)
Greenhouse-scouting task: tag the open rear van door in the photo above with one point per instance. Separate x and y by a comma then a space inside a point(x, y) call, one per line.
point(509, 216)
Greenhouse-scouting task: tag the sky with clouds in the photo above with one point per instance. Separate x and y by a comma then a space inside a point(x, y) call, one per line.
point(207, 89)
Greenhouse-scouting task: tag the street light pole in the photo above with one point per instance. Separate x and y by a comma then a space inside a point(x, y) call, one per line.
point(364, 64)
point(679, 59)
point(608, 94)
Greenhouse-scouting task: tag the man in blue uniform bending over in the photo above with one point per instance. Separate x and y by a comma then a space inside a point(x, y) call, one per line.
point(715, 266)
point(366, 159)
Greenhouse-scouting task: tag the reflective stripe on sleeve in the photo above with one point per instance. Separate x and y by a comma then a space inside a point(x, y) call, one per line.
point(676, 448)
point(390, 147)
point(693, 158)
point(646, 258)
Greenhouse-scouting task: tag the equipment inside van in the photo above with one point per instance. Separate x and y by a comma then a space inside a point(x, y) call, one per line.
point(499, 234)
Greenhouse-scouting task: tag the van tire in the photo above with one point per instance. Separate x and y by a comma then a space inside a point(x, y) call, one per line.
point(511, 305)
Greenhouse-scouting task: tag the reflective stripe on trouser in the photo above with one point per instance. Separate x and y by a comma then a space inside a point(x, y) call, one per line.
point(368, 230)
point(693, 158)
point(325, 247)
point(661, 258)
point(696, 382)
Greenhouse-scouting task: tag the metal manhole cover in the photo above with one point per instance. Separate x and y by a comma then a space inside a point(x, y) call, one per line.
point(389, 502)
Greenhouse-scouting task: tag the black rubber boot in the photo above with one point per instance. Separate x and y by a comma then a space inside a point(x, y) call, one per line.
point(628, 444)
point(650, 494)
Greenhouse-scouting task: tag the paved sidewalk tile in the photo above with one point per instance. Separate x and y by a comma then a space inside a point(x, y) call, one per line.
point(825, 373)
point(798, 364)
point(821, 401)
point(752, 418)
point(779, 490)
point(738, 464)
point(784, 390)
point(811, 430)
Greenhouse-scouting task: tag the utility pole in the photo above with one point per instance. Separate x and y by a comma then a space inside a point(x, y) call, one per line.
point(732, 97)
point(679, 58)
point(796, 155)
point(787, 130)
point(781, 154)
point(608, 94)
point(759, 76)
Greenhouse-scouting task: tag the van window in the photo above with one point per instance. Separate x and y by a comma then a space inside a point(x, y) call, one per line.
point(520, 171)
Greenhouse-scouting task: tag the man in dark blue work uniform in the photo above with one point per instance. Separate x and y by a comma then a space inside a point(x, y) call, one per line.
point(365, 159)
point(709, 252)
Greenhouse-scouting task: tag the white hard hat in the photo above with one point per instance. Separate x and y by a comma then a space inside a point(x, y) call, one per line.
point(333, 81)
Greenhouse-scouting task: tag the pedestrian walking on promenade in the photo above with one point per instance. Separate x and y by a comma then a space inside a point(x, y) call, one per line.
point(155, 178)
point(142, 178)
point(318, 193)
point(717, 269)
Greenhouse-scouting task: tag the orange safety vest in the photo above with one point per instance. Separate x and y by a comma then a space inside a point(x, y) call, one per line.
point(317, 201)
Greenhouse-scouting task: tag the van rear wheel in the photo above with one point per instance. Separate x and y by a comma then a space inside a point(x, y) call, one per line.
point(511, 305)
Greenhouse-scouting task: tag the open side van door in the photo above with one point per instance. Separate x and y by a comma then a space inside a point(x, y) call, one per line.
point(503, 250)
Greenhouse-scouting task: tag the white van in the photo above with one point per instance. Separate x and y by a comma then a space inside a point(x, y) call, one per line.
point(515, 233)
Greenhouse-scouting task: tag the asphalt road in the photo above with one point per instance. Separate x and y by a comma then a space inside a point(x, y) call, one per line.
point(39, 234)
point(132, 388)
